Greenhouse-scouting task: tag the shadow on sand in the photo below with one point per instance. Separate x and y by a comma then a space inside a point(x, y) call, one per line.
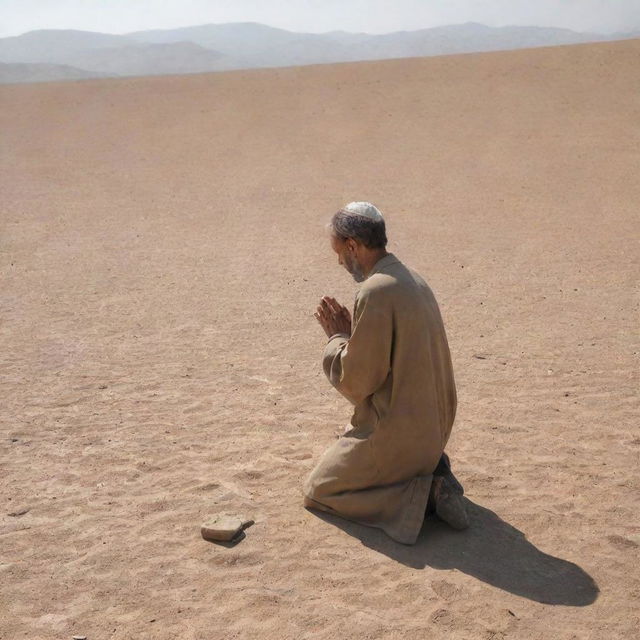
point(491, 550)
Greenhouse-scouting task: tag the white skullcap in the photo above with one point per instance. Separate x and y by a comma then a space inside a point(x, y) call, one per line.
point(365, 209)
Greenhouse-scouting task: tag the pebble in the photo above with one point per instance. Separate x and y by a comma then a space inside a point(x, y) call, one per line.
point(224, 528)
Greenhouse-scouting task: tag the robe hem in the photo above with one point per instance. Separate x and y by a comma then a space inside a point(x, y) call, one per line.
point(410, 525)
point(407, 530)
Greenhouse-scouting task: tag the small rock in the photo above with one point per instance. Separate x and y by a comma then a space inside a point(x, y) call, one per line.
point(224, 528)
point(79, 637)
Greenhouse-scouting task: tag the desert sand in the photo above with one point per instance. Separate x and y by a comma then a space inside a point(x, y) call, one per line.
point(163, 250)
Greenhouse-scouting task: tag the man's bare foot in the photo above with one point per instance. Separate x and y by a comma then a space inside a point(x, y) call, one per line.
point(448, 502)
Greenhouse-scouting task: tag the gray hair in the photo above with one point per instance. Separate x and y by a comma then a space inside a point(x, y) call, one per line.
point(371, 233)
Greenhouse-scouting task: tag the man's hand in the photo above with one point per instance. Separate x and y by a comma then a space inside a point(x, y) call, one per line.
point(333, 317)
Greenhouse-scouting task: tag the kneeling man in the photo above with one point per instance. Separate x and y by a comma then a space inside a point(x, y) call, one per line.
point(392, 362)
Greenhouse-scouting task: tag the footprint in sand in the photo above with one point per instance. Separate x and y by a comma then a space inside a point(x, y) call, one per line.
point(209, 486)
point(623, 544)
point(446, 590)
point(196, 407)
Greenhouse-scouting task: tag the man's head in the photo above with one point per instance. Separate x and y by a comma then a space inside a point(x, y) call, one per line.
point(358, 236)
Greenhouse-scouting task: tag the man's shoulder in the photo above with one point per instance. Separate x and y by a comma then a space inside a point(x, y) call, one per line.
point(378, 280)
point(379, 286)
point(395, 275)
point(397, 283)
point(416, 276)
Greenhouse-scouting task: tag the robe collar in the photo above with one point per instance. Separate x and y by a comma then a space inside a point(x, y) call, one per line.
point(382, 263)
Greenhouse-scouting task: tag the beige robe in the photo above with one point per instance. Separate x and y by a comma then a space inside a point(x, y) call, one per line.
point(395, 369)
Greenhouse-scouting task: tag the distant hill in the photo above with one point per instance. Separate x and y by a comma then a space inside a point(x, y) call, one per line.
point(18, 72)
point(55, 46)
point(250, 44)
point(137, 59)
point(257, 45)
point(218, 47)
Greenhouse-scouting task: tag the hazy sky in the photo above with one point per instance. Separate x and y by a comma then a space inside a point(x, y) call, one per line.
point(372, 16)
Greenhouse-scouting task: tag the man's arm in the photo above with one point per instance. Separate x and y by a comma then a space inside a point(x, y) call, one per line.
point(359, 365)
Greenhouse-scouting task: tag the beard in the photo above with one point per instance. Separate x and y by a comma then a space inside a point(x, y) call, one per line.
point(354, 268)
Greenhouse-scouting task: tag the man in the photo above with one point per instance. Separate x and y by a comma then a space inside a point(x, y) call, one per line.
point(393, 364)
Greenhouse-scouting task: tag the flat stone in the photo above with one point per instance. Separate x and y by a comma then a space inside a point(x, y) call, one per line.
point(222, 528)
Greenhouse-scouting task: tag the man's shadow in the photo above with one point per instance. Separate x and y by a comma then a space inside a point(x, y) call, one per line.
point(491, 550)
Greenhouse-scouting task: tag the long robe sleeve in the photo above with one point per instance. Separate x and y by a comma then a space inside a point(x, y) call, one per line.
point(357, 366)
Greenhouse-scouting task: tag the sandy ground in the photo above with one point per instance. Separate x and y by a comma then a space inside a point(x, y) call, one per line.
point(163, 250)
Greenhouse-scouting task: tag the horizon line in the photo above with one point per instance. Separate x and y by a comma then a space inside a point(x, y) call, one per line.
point(320, 33)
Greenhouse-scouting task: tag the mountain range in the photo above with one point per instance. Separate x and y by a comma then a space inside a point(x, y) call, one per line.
point(47, 55)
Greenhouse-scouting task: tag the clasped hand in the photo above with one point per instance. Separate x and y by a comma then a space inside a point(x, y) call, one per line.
point(333, 317)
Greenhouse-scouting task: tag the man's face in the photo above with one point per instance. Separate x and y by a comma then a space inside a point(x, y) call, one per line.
point(346, 250)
